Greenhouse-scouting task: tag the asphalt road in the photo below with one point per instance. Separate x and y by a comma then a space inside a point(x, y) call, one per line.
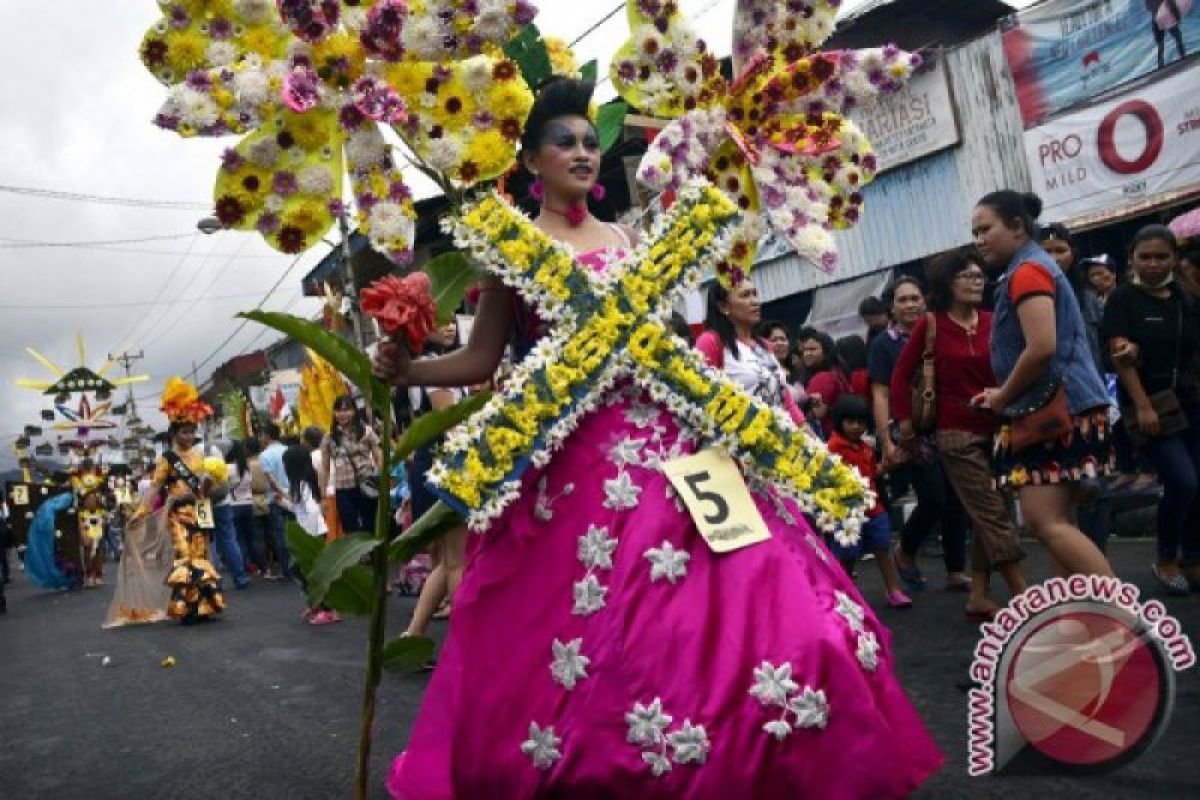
point(261, 705)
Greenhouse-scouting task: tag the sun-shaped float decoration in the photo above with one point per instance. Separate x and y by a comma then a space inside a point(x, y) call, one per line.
point(93, 388)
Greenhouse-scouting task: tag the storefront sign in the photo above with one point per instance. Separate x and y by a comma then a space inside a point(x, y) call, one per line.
point(1064, 52)
point(1130, 151)
point(915, 122)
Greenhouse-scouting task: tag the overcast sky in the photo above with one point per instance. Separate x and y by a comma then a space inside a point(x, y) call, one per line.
point(75, 111)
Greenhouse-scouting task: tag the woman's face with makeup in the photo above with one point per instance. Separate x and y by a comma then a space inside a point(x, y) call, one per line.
point(568, 159)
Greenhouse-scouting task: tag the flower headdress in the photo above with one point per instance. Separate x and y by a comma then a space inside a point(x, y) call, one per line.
point(310, 82)
point(181, 402)
point(776, 139)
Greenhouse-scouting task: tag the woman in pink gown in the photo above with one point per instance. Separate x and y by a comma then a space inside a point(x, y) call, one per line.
point(599, 648)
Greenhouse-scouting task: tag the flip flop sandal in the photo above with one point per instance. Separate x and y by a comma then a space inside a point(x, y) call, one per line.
point(1173, 584)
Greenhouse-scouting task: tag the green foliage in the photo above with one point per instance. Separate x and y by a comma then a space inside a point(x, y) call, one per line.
point(407, 653)
point(433, 524)
point(350, 593)
point(529, 51)
point(450, 275)
point(344, 356)
point(610, 123)
point(428, 427)
point(590, 71)
point(335, 559)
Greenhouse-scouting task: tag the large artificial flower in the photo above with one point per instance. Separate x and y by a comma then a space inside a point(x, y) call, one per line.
point(181, 402)
point(309, 83)
point(776, 139)
point(403, 307)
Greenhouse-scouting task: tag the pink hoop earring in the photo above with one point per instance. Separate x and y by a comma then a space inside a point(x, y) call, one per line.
point(537, 190)
point(598, 191)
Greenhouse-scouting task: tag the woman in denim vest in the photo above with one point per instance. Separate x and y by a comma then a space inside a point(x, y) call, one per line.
point(1038, 333)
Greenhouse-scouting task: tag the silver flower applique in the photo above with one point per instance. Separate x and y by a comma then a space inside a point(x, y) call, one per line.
point(589, 596)
point(542, 746)
point(773, 686)
point(569, 664)
point(596, 548)
point(667, 563)
point(851, 611)
point(621, 493)
point(626, 452)
point(543, 505)
point(647, 723)
point(643, 415)
point(868, 651)
point(690, 744)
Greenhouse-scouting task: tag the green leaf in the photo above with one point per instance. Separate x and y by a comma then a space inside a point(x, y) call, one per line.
point(450, 275)
point(332, 562)
point(350, 593)
point(428, 427)
point(407, 653)
point(432, 525)
point(589, 71)
point(610, 123)
point(529, 51)
point(344, 356)
point(303, 548)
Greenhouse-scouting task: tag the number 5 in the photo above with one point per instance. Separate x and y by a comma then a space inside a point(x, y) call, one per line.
point(722, 508)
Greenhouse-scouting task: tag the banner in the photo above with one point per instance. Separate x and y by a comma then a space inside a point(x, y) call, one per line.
point(915, 122)
point(1128, 152)
point(1064, 52)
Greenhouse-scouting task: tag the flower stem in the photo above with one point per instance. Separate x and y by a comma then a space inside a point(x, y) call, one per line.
point(378, 620)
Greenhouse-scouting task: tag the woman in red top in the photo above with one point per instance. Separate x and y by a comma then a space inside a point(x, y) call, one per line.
point(825, 381)
point(963, 368)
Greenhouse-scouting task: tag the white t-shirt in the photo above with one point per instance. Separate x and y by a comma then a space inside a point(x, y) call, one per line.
point(307, 510)
point(756, 370)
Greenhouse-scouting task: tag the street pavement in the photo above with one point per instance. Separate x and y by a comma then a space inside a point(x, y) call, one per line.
point(261, 705)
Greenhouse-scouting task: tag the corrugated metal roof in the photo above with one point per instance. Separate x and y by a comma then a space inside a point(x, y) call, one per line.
point(923, 208)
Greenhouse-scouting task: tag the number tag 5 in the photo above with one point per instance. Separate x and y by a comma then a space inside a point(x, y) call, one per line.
point(715, 493)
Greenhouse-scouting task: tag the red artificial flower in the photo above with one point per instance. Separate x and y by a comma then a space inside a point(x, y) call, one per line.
point(402, 307)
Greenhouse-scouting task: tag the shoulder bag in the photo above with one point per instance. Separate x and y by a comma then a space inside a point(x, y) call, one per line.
point(1171, 419)
point(924, 386)
point(367, 484)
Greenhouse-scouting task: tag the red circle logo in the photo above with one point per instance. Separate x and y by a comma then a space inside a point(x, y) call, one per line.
point(1151, 121)
point(1085, 688)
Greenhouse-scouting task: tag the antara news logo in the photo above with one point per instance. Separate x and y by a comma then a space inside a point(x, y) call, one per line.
point(1074, 673)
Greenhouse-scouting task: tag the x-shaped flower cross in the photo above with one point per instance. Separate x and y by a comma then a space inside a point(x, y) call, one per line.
point(613, 325)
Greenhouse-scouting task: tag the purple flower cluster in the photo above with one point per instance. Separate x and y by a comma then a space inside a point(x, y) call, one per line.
point(381, 36)
point(378, 101)
point(311, 20)
point(301, 88)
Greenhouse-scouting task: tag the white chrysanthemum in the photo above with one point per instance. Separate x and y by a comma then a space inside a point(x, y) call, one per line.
point(492, 23)
point(647, 40)
point(389, 222)
point(317, 179)
point(273, 203)
point(354, 18)
point(366, 147)
point(221, 54)
point(423, 37)
point(254, 12)
point(195, 108)
point(656, 90)
point(477, 74)
point(445, 153)
point(251, 86)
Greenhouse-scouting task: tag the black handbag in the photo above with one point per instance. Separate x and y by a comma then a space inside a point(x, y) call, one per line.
point(1171, 419)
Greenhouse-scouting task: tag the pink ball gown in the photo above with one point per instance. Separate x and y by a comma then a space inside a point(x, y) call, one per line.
point(600, 649)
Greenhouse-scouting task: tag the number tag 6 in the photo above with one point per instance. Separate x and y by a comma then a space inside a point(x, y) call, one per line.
point(715, 494)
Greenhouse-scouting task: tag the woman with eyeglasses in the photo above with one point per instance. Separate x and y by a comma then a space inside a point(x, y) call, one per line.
point(963, 369)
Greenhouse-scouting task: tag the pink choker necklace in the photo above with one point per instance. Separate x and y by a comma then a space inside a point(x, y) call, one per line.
point(575, 214)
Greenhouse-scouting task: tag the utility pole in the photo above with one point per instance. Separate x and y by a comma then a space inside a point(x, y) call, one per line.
point(127, 360)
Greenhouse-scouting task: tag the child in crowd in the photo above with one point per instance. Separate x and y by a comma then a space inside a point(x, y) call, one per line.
point(301, 500)
point(850, 415)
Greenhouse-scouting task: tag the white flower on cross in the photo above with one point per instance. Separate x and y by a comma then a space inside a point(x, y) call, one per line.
point(626, 452)
point(868, 651)
point(647, 723)
point(772, 684)
point(851, 611)
point(569, 664)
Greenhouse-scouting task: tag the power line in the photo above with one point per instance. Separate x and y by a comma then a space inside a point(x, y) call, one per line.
point(137, 323)
point(592, 29)
point(110, 200)
point(7, 243)
point(130, 304)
